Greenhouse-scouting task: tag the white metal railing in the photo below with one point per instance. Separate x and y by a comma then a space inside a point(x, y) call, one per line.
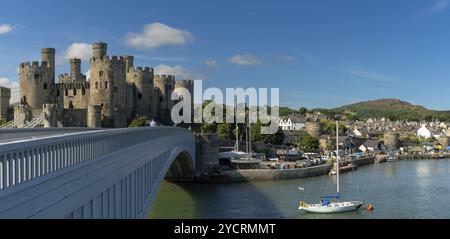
point(13, 122)
point(29, 159)
point(36, 121)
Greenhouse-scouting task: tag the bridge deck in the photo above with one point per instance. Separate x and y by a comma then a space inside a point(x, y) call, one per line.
point(96, 174)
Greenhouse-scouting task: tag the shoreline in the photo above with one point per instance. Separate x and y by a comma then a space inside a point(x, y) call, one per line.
point(251, 175)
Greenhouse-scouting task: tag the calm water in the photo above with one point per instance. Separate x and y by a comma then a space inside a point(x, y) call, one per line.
point(405, 189)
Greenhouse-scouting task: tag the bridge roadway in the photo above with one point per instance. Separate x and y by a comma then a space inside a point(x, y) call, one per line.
point(70, 173)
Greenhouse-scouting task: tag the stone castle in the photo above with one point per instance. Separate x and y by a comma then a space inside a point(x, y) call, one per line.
point(115, 93)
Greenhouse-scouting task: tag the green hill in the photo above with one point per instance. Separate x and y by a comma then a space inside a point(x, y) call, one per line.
point(393, 109)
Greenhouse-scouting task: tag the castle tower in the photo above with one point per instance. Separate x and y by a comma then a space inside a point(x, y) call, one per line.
point(99, 50)
point(164, 86)
point(36, 80)
point(142, 80)
point(391, 139)
point(108, 86)
point(314, 128)
point(75, 71)
point(129, 62)
point(48, 56)
point(94, 116)
point(5, 96)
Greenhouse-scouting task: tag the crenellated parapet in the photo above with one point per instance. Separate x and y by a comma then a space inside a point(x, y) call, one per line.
point(34, 66)
point(71, 85)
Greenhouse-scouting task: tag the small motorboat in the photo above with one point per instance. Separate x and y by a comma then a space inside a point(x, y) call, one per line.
point(392, 158)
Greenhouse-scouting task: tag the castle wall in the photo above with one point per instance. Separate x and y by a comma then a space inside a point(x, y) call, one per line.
point(74, 117)
point(5, 96)
point(72, 95)
point(164, 86)
point(94, 116)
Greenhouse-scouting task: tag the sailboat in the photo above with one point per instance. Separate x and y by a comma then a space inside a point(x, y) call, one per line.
point(239, 157)
point(326, 206)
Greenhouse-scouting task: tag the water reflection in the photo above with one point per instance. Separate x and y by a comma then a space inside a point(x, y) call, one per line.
point(404, 189)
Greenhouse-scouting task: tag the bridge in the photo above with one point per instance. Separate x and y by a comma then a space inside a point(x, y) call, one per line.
point(85, 173)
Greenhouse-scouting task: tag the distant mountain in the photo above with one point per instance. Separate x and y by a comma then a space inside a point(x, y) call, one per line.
point(393, 109)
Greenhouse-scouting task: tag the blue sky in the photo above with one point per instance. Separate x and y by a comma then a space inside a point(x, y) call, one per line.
point(319, 53)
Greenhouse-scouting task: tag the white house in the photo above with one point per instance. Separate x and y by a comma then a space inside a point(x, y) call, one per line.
point(372, 146)
point(292, 123)
point(424, 132)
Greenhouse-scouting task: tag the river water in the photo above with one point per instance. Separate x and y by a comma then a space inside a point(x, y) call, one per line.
point(403, 189)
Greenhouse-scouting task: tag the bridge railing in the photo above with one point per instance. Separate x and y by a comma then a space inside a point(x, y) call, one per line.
point(23, 133)
point(19, 164)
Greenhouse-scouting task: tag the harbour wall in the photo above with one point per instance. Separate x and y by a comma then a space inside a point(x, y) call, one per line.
point(363, 161)
point(274, 174)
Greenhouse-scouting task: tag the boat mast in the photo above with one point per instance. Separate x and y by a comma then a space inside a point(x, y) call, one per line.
point(237, 128)
point(337, 155)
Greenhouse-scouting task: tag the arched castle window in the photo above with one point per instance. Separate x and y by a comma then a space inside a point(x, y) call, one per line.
point(74, 92)
point(70, 105)
point(45, 86)
point(67, 92)
point(36, 76)
point(106, 85)
point(58, 93)
point(160, 99)
point(83, 91)
point(139, 96)
point(96, 85)
point(100, 73)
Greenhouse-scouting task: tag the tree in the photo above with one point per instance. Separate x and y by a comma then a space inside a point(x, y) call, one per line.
point(3, 121)
point(225, 131)
point(276, 139)
point(309, 144)
point(330, 128)
point(138, 122)
point(208, 128)
point(302, 111)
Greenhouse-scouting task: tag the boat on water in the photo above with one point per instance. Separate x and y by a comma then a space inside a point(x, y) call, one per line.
point(344, 169)
point(392, 158)
point(326, 205)
point(239, 159)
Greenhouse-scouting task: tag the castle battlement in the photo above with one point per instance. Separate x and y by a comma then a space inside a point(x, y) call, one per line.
point(65, 77)
point(165, 78)
point(33, 66)
point(184, 83)
point(70, 85)
point(113, 61)
point(139, 69)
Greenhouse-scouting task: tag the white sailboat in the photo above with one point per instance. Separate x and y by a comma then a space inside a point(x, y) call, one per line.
point(326, 206)
point(237, 156)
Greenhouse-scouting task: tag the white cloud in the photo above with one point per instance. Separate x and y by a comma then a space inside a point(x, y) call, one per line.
point(370, 75)
point(5, 28)
point(178, 71)
point(155, 35)
point(244, 60)
point(81, 51)
point(437, 7)
point(211, 63)
point(14, 86)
